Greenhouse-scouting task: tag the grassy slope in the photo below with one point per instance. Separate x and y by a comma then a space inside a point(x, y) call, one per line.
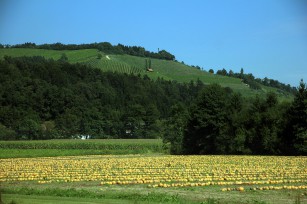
point(168, 70)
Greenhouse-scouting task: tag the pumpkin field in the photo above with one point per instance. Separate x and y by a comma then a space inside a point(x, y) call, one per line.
point(262, 178)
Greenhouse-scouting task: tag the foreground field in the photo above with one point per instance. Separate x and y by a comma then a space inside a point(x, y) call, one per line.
point(172, 179)
point(34, 199)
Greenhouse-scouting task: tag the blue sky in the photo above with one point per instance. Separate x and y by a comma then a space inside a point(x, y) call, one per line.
point(265, 37)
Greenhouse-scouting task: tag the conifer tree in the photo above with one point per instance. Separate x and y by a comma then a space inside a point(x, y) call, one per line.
point(299, 119)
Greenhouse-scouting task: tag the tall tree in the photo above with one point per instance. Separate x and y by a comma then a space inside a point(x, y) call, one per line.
point(241, 73)
point(174, 128)
point(295, 136)
point(206, 132)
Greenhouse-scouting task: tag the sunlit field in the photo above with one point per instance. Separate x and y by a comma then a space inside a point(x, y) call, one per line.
point(268, 173)
point(139, 172)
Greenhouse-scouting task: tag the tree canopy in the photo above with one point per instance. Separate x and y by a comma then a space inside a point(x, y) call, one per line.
point(224, 123)
point(43, 99)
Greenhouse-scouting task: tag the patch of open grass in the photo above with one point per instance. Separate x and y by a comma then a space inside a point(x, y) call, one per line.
point(49, 148)
point(73, 56)
point(91, 191)
point(72, 193)
point(35, 199)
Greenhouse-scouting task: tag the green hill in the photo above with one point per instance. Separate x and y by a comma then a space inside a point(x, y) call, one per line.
point(166, 69)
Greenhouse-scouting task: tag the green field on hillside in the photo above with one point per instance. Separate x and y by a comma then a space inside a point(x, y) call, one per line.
point(114, 66)
point(74, 56)
point(168, 70)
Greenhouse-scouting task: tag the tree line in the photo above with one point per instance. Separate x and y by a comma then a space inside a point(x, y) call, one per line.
point(47, 99)
point(255, 83)
point(221, 122)
point(105, 47)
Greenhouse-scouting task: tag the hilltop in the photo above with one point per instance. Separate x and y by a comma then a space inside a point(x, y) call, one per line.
point(166, 68)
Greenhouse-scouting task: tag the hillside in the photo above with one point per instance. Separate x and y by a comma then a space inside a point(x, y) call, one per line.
point(166, 69)
point(52, 99)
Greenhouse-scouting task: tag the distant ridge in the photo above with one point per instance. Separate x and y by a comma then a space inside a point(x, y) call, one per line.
point(105, 47)
point(132, 59)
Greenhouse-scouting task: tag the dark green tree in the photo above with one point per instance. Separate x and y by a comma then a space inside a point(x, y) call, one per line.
point(49, 130)
point(236, 130)
point(165, 55)
point(241, 73)
point(222, 72)
point(295, 135)
point(263, 124)
point(174, 128)
point(151, 120)
point(6, 133)
point(68, 125)
point(231, 73)
point(28, 129)
point(206, 132)
point(134, 121)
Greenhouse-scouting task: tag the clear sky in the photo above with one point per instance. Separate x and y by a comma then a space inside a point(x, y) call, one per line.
point(265, 37)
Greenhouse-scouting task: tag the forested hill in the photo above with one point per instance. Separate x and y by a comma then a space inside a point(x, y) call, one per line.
point(44, 99)
point(137, 60)
point(66, 93)
point(48, 99)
